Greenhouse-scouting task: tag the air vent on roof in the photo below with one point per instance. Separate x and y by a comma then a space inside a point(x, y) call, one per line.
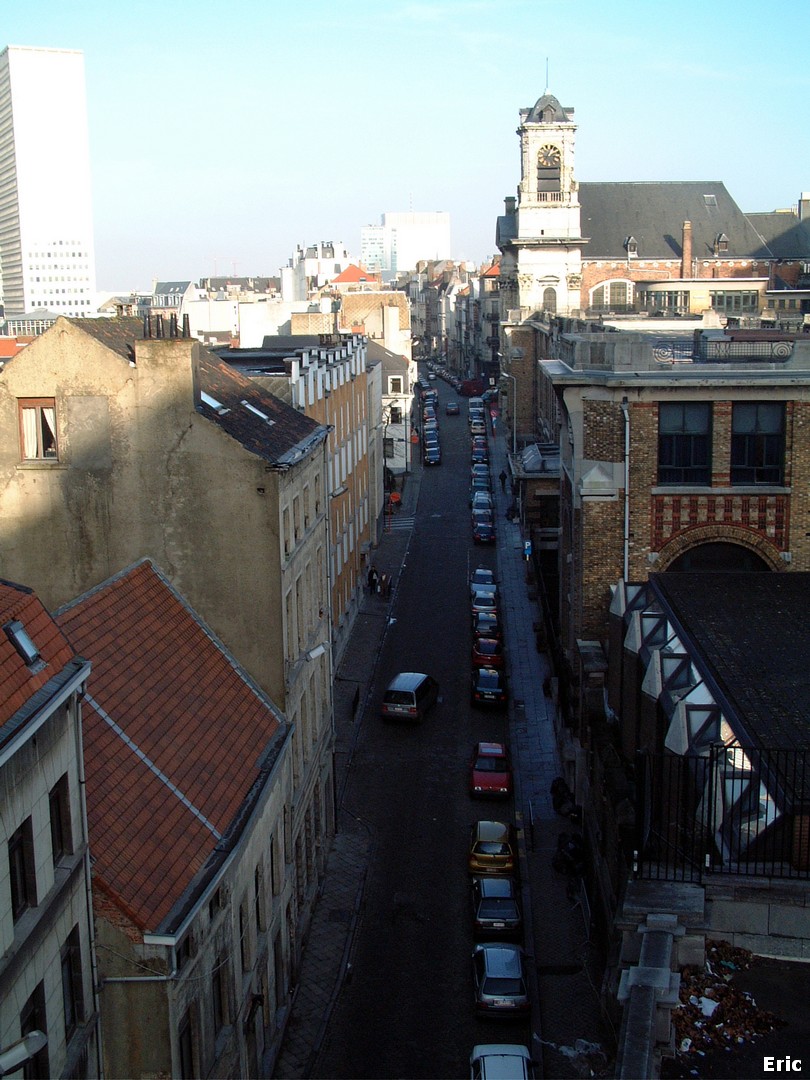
point(258, 412)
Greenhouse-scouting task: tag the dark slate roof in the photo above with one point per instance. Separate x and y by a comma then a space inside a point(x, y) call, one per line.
point(561, 115)
point(117, 334)
point(163, 288)
point(783, 232)
point(281, 435)
point(752, 634)
point(654, 213)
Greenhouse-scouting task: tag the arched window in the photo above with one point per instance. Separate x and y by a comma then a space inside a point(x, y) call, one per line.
point(550, 300)
point(613, 296)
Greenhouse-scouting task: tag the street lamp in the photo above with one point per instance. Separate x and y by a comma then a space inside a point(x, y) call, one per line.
point(16, 1055)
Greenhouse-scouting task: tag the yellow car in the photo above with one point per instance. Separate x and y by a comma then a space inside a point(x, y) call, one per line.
point(493, 849)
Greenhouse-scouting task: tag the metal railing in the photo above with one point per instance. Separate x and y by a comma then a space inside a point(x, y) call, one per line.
point(737, 810)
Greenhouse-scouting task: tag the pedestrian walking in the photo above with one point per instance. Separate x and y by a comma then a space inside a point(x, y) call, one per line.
point(502, 479)
point(373, 577)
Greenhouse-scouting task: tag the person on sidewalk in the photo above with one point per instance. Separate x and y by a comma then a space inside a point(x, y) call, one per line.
point(503, 479)
point(372, 579)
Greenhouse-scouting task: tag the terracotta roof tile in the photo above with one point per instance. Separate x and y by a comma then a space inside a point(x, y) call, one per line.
point(172, 690)
point(18, 682)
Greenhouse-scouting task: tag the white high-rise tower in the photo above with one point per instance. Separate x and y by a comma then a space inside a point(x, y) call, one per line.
point(47, 258)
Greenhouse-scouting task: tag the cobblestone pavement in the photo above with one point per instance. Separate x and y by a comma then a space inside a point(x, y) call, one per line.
point(570, 1039)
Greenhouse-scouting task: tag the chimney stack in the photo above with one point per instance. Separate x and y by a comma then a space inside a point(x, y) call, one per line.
point(509, 205)
point(686, 250)
point(804, 206)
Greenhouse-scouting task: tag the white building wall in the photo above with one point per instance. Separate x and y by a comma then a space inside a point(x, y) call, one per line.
point(46, 225)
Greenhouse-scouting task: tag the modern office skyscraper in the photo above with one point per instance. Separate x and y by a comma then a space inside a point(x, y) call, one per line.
point(47, 258)
point(403, 239)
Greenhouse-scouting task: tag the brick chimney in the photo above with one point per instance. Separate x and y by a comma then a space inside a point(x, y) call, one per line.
point(686, 250)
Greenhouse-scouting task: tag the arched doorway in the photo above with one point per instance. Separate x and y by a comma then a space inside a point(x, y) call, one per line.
point(718, 558)
point(550, 300)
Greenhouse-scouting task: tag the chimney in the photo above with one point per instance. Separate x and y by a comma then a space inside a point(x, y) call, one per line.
point(509, 205)
point(804, 206)
point(686, 250)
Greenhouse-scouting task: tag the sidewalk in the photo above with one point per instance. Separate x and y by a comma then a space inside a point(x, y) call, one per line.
point(567, 1027)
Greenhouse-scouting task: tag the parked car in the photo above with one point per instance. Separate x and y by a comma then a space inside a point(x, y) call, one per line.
point(488, 687)
point(479, 469)
point(409, 696)
point(483, 527)
point(482, 575)
point(479, 483)
point(451, 408)
point(490, 770)
point(501, 1061)
point(432, 454)
point(480, 455)
point(487, 652)
point(483, 600)
point(493, 849)
point(487, 625)
point(496, 910)
point(482, 500)
point(500, 982)
point(478, 427)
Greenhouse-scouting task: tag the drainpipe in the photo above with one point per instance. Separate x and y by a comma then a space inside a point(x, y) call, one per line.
point(626, 411)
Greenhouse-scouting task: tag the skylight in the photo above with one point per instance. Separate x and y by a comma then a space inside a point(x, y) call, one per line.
point(258, 412)
point(212, 403)
point(22, 642)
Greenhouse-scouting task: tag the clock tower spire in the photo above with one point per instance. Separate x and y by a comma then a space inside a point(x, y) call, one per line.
point(542, 244)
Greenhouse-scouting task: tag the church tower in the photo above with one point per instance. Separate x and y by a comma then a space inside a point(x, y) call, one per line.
point(539, 236)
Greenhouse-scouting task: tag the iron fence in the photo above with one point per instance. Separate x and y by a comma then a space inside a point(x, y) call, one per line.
point(734, 810)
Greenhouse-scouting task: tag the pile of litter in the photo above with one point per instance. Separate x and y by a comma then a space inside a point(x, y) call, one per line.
point(712, 1013)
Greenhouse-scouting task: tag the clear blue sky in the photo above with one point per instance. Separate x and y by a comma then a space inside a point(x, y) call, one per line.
point(224, 133)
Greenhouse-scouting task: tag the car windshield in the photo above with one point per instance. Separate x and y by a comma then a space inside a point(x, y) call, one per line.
point(502, 987)
point(399, 697)
point(491, 764)
point(497, 907)
point(489, 680)
point(491, 847)
point(487, 647)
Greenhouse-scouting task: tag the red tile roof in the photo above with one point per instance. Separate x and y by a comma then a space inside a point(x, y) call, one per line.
point(492, 271)
point(17, 683)
point(351, 275)
point(174, 732)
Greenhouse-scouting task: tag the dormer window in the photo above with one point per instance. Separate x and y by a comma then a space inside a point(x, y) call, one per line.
point(720, 243)
point(24, 644)
point(631, 246)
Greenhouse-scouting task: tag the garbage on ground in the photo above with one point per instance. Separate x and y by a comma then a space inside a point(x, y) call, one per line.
point(714, 1014)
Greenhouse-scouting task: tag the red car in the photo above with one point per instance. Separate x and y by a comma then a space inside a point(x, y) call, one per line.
point(490, 770)
point(487, 652)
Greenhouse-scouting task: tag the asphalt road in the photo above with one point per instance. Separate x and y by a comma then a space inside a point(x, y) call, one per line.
point(407, 1008)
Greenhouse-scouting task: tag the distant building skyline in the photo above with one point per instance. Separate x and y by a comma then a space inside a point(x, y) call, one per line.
point(47, 252)
point(402, 239)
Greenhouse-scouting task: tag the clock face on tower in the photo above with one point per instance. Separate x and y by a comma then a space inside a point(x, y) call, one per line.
point(549, 156)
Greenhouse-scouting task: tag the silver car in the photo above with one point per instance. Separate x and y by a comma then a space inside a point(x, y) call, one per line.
point(500, 983)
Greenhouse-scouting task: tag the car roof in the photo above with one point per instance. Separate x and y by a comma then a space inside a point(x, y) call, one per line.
point(407, 680)
point(491, 830)
point(496, 886)
point(501, 1061)
point(501, 960)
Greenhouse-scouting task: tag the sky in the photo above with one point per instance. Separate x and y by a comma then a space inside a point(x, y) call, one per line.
point(224, 133)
